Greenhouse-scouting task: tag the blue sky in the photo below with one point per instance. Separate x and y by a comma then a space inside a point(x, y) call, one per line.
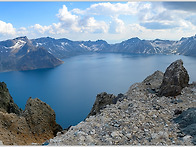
point(111, 21)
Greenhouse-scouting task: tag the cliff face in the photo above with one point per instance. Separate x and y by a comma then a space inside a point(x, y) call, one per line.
point(35, 124)
point(140, 118)
point(6, 101)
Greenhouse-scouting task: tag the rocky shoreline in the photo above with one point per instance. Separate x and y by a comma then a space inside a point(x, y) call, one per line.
point(148, 114)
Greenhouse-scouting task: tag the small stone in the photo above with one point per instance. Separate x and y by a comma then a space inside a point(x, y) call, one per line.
point(129, 135)
point(115, 134)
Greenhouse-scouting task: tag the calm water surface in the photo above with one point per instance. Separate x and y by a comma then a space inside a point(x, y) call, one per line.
point(71, 88)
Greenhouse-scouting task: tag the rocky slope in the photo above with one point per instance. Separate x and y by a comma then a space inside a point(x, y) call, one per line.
point(21, 54)
point(139, 117)
point(33, 125)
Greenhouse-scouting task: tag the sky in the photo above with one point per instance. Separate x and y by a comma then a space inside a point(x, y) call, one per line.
point(110, 21)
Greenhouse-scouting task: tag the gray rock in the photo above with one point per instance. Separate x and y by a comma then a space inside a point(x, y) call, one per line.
point(175, 79)
point(101, 101)
point(41, 117)
point(6, 101)
point(187, 123)
point(154, 81)
point(186, 118)
point(119, 97)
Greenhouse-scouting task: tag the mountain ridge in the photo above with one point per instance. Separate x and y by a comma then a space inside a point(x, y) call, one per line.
point(22, 53)
point(132, 45)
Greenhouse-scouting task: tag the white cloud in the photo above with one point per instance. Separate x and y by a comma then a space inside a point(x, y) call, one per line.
point(117, 25)
point(42, 29)
point(114, 21)
point(110, 9)
point(67, 19)
point(7, 28)
point(74, 23)
point(89, 24)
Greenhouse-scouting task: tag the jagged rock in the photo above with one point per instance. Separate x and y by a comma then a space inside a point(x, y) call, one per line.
point(40, 117)
point(187, 122)
point(101, 101)
point(35, 125)
point(153, 82)
point(175, 79)
point(6, 101)
point(119, 97)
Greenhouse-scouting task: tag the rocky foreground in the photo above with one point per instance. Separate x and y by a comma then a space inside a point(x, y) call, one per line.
point(35, 124)
point(152, 112)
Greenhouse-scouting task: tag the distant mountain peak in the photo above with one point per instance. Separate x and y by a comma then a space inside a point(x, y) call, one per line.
point(133, 39)
point(23, 38)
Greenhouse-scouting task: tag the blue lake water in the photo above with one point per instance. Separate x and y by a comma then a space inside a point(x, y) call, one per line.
point(71, 88)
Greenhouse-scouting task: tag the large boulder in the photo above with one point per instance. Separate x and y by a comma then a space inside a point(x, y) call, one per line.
point(41, 118)
point(175, 79)
point(6, 101)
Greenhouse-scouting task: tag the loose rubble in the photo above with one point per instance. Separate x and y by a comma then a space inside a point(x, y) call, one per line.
point(140, 118)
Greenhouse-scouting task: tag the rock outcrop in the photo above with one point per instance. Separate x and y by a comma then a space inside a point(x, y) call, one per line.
point(6, 101)
point(175, 79)
point(41, 118)
point(102, 100)
point(141, 118)
point(34, 125)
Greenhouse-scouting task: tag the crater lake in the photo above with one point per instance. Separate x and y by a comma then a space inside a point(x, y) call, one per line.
point(71, 88)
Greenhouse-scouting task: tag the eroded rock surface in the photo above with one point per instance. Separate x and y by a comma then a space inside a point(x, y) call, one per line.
point(6, 101)
point(34, 125)
point(175, 79)
point(40, 117)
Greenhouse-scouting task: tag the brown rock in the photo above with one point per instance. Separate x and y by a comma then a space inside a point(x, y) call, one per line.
point(35, 125)
point(175, 79)
point(41, 118)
